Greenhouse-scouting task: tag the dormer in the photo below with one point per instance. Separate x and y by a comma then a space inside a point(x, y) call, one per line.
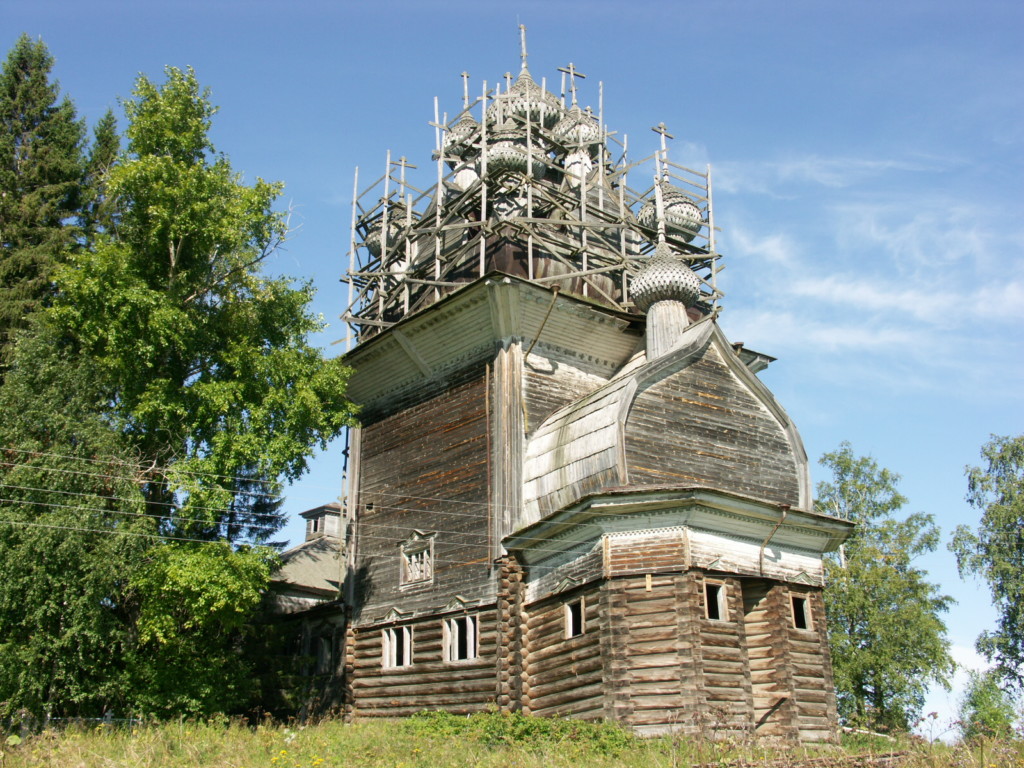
point(324, 520)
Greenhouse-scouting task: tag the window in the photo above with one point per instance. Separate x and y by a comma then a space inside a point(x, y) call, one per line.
point(417, 560)
point(460, 638)
point(574, 619)
point(396, 650)
point(801, 612)
point(714, 601)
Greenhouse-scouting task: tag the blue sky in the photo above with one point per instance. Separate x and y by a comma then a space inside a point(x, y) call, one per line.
point(868, 160)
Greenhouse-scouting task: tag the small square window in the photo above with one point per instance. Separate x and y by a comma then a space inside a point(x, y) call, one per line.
point(460, 638)
point(575, 619)
point(801, 612)
point(714, 601)
point(396, 648)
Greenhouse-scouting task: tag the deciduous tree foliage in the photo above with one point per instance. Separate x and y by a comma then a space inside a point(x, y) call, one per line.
point(996, 550)
point(207, 359)
point(150, 414)
point(886, 633)
point(986, 710)
point(41, 167)
point(196, 600)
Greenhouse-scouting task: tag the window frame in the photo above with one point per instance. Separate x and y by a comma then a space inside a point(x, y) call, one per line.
point(418, 546)
point(716, 592)
point(324, 663)
point(395, 641)
point(454, 629)
point(579, 608)
point(805, 613)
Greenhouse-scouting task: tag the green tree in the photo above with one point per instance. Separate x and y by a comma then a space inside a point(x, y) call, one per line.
point(72, 532)
point(996, 551)
point(886, 633)
point(986, 710)
point(41, 167)
point(196, 604)
point(151, 414)
point(97, 211)
point(207, 359)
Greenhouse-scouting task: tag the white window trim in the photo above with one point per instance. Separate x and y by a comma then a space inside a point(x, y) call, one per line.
point(567, 609)
point(389, 656)
point(720, 600)
point(453, 628)
point(417, 561)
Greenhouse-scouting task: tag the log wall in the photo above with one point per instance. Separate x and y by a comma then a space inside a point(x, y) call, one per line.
point(565, 674)
point(655, 659)
point(460, 687)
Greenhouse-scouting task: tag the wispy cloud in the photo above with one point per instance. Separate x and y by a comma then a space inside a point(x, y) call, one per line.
point(775, 248)
point(775, 328)
point(778, 177)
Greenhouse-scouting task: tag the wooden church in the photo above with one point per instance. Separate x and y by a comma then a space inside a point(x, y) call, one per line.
point(570, 494)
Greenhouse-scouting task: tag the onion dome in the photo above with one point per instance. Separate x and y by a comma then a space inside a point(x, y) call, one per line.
point(527, 101)
point(578, 129)
point(458, 140)
point(396, 223)
point(507, 152)
point(664, 278)
point(682, 215)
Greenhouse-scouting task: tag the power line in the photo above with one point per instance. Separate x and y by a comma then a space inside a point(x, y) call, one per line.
point(102, 530)
point(113, 497)
point(118, 512)
point(141, 468)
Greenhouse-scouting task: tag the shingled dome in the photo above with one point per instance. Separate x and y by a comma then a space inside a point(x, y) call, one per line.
point(665, 278)
point(682, 216)
point(527, 100)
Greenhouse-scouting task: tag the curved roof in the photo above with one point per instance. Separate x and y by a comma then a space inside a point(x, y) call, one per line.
point(585, 446)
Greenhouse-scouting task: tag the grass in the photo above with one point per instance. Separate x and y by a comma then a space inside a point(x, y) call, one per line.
point(437, 739)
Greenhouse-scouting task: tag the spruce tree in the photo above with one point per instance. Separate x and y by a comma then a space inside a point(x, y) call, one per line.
point(41, 168)
point(97, 213)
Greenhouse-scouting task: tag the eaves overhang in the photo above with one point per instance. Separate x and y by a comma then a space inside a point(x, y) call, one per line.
point(620, 510)
point(470, 324)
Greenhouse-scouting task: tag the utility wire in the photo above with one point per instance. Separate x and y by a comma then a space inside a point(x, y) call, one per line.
point(139, 467)
point(103, 530)
point(119, 512)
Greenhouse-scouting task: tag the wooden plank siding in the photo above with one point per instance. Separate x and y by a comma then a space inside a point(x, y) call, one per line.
point(702, 426)
point(550, 384)
point(426, 468)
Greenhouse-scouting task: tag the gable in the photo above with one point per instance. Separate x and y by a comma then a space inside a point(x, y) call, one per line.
point(703, 425)
point(695, 416)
